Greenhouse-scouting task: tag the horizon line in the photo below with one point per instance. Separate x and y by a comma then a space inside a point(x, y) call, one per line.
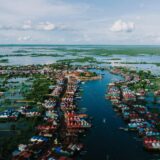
point(38, 44)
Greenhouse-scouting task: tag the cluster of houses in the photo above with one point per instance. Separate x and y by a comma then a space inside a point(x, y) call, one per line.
point(56, 138)
point(127, 94)
point(9, 115)
point(157, 93)
point(137, 116)
point(15, 114)
point(72, 119)
point(39, 144)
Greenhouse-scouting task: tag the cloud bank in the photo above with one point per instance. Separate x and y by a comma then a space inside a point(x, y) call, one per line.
point(25, 38)
point(79, 22)
point(28, 25)
point(122, 26)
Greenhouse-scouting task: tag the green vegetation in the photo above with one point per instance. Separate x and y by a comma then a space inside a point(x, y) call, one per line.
point(31, 55)
point(90, 74)
point(12, 55)
point(18, 136)
point(157, 64)
point(93, 74)
point(116, 50)
point(145, 76)
point(21, 51)
point(79, 60)
point(114, 59)
point(154, 63)
point(24, 128)
point(134, 63)
point(156, 82)
point(143, 84)
point(44, 55)
point(103, 51)
point(40, 89)
point(4, 60)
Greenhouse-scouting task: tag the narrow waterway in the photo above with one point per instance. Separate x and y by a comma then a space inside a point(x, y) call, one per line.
point(105, 141)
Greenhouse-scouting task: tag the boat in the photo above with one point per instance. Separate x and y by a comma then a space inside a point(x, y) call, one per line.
point(104, 120)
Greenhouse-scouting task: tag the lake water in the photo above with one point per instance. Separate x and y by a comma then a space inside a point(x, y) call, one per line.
point(105, 141)
point(77, 51)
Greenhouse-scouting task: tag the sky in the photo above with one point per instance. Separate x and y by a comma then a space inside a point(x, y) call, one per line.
point(80, 22)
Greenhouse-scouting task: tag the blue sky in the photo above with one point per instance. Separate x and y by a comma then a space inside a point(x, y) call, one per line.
point(80, 21)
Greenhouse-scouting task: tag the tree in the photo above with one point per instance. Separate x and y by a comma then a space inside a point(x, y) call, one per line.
point(39, 89)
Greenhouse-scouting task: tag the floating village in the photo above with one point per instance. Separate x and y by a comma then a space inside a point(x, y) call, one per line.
point(65, 111)
point(43, 121)
point(56, 121)
point(79, 80)
point(128, 99)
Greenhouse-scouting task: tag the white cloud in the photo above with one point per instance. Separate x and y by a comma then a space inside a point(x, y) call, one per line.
point(46, 26)
point(62, 21)
point(24, 38)
point(122, 26)
point(28, 25)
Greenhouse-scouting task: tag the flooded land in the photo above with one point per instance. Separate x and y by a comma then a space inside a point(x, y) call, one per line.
point(79, 102)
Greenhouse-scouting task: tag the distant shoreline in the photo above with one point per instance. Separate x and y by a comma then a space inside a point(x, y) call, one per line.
point(131, 45)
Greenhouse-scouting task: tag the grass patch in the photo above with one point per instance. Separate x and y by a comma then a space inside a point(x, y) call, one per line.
point(79, 60)
point(4, 60)
point(114, 59)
